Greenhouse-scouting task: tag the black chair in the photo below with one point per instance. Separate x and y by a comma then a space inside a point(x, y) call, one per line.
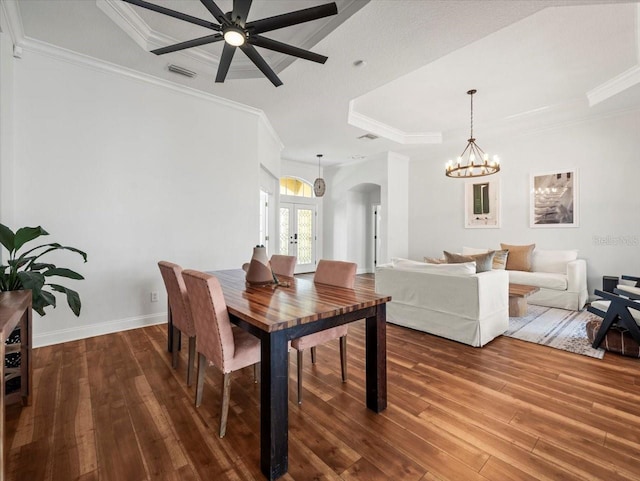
point(617, 308)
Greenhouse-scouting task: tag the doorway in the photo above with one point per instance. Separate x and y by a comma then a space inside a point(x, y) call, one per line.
point(298, 234)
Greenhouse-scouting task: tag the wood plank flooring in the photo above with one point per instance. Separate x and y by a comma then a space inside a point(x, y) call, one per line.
point(111, 408)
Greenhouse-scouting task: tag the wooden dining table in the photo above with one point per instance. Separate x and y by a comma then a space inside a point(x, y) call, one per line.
point(277, 314)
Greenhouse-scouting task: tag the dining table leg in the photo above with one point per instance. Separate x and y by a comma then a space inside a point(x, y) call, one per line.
point(274, 409)
point(376, 359)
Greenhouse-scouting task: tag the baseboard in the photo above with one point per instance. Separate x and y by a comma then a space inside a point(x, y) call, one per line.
point(92, 330)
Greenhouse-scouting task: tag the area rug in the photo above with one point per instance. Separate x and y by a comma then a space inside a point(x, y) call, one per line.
point(557, 328)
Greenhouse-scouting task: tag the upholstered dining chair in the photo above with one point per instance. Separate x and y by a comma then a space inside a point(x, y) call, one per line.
point(180, 313)
point(283, 265)
point(333, 273)
point(219, 343)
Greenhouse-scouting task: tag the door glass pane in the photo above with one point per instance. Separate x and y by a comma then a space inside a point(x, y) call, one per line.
point(305, 236)
point(284, 231)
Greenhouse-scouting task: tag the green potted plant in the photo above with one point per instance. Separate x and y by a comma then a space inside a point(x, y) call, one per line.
point(27, 271)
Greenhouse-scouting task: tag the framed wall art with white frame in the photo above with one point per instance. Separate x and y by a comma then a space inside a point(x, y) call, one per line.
point(554, 199)
point(482, 204)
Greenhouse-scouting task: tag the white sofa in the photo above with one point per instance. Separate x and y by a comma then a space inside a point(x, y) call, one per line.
point(455, 303)
point(560, 275)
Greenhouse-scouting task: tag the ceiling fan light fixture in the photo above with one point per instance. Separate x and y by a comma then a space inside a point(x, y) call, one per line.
point(234, 36)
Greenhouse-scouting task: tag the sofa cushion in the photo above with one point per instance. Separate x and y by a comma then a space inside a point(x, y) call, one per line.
point(463, 269)
point(484, 262)
point(434, 260)
point(519, 258)
point(469, 251)
point(603, 306)
point(630, 289)
point(552, 261)
point(547, 280)
point(500, 259)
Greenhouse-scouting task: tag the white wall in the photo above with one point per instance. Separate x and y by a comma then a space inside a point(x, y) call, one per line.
point(6, 120)
point(387, 170)
point(604, 151)
point(132, 172)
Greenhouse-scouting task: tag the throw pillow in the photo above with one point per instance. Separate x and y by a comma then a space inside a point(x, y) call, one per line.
point(462, 269)
point(484, 262)
point(433, 260)
point(500, 259)
point(519, 258)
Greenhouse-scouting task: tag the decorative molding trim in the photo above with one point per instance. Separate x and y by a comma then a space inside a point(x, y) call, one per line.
point(125, 17)
point(85, 61)
point(614, 86)
point(59, 53)
point(14, 22)
point(109, 327)
point(383, 130)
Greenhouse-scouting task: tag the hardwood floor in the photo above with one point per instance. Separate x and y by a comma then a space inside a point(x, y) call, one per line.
point(111, 408)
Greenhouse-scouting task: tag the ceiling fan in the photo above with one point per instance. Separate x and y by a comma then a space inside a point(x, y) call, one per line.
point(235, 31)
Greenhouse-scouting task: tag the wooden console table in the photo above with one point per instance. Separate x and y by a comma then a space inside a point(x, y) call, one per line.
point(15, 309)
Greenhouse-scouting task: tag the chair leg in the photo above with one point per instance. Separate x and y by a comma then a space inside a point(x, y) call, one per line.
point(175, 347)
point(202, 365)
point(226, 392)
point(256, 372)
point(343, 357)
point(300, 377)
point(313, 355)
point(607, 322)
point(192, 355)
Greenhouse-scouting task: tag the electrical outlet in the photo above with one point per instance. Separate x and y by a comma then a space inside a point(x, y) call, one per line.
point(154, 296)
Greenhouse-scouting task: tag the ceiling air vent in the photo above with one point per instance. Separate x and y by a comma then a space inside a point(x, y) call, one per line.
point(368, 137)
point(181, 71)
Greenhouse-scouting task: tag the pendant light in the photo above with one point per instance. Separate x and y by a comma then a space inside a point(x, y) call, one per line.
point(319, 186)
point(477, 162)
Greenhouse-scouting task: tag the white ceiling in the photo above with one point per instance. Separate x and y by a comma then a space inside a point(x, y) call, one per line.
point(533, 62)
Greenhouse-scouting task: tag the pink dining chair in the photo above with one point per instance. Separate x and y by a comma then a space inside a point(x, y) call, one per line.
point(283, 265)
point(180, 313)
point(226, 347)
point(333, 273)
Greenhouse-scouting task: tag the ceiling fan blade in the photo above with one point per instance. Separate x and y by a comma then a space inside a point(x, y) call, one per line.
point(240, 11)
point(225, 61)
point(175, 14)
point(216, 37)
point(216, 12)
point(256, 58)
point(276, 46)
point(292, 18)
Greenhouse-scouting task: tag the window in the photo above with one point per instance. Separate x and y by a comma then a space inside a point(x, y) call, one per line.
point(297, 187)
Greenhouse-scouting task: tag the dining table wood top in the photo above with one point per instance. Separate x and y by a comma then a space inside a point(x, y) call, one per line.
point(294, 302)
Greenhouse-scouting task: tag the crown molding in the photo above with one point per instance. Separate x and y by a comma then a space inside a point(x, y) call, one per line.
point(14, 22)
point(125, 18)
point(388, 132)
point(614, 86)
point(85, 61)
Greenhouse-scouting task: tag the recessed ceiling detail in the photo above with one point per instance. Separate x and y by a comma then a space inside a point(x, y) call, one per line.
point(388, 132)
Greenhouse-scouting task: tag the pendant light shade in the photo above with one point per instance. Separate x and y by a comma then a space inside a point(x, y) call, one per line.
point(319, 186)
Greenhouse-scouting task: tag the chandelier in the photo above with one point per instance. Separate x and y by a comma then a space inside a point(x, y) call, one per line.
point(476, 163)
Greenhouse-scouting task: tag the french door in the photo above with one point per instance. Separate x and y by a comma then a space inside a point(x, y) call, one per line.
point(298, 234)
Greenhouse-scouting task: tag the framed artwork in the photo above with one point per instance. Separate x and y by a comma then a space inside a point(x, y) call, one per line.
point(554, 199)
point(482, 204)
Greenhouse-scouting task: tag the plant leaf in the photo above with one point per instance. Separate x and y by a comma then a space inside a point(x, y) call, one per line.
point(62, 272)
point(48, 298)
point(38, 266)
point(7, 238)
point(31, 280)
point(55, 246)
point(26, 234)
point(73, 298)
